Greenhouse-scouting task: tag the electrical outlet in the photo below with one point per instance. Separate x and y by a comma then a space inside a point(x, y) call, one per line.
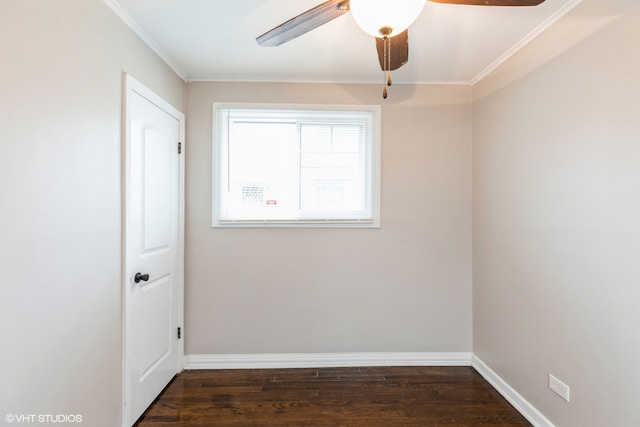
point(558, 387)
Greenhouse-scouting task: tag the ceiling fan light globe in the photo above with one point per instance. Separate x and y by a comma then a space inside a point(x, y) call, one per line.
point(373, 15)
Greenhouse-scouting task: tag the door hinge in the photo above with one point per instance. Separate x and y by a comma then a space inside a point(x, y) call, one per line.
point(179, 332)
point(179, 147)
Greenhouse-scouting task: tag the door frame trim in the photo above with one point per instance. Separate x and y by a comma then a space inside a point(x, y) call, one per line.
point(129, 86)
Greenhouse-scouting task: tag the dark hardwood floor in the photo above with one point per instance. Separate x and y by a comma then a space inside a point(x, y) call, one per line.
point(392, 396)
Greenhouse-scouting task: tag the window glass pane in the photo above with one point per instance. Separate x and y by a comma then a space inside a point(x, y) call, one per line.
point(262, 170)
point(332, 170)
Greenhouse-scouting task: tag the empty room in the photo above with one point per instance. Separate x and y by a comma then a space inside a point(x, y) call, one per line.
point(308, 213)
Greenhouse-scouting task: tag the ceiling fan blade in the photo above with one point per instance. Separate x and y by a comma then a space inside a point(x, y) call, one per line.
point(492, 2)
point(399, 51)
point(303, 23)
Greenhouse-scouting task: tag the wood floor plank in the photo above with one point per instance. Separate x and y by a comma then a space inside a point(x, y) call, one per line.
point(378, 396)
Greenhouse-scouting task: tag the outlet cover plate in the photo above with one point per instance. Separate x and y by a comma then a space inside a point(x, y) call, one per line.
point(558, 387)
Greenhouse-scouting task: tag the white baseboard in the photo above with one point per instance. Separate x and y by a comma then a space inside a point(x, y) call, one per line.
point(323, 360)
point(525, 408)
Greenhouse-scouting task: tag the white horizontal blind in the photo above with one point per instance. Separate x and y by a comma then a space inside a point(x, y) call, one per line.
point(302, 165)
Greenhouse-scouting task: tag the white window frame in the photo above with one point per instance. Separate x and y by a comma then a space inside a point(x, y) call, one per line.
point(217, 149)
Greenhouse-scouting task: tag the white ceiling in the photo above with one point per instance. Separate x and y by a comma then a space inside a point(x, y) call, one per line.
point(215, 40)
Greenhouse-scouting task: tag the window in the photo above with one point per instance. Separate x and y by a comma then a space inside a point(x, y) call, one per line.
point(278, 165)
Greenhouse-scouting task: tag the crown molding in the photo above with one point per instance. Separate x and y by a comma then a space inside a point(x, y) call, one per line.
point(525, 41)
point(146, 38)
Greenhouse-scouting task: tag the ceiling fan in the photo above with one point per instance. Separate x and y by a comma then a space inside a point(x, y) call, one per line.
point(387, 20)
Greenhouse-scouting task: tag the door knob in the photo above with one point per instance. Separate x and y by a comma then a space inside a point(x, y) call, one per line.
point(139, 276)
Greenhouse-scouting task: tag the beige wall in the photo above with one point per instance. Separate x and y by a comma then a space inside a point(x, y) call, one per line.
point(60, 196)
point(404, 287)
point(556, 172)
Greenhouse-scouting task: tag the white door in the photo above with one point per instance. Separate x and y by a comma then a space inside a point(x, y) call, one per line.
point(154, 171)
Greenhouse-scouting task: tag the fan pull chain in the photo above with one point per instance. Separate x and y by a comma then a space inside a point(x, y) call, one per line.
point(387, 64)
point(389, 80)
